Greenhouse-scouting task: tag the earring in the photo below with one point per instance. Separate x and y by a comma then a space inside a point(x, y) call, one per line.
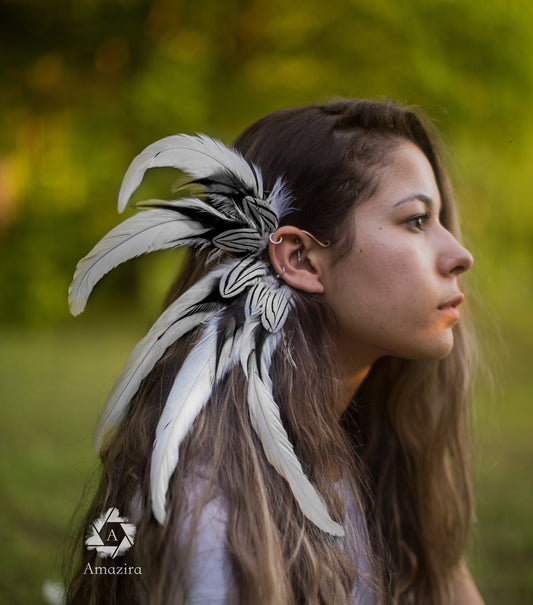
point(273, 242)
point(325, 244)
point(298, 255)
point(278, 275)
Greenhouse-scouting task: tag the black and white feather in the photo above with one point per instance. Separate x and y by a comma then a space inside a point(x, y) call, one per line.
point(201, 157)
point(196, 306)
point(187, 222)
point(238, 305)
point(223, 171)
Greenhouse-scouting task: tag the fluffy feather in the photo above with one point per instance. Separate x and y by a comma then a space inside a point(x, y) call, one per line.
point(200, 156)
point(280, 199)
point(193, 307)
point(157, 229)
point(190, 392)
point(266, 421)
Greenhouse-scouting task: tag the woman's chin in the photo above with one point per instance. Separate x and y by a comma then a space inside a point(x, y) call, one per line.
point(432, 349)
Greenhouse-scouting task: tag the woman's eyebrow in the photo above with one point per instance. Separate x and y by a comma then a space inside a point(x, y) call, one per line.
point(426, 200)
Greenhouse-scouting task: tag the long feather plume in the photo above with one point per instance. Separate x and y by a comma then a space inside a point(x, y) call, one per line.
point(168, 226)
point(191, 390)
point(266, 421)
point(197, 305)
point(200, 156)
point(142, 233)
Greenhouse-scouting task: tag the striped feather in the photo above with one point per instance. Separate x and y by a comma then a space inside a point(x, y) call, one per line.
point(276, 305)
point(271, 301)
point(262, 214)
point(239, 241)
point(241, 276)
point(255, 298)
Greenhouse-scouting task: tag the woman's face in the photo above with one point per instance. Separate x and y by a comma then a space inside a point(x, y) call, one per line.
point(396, 292)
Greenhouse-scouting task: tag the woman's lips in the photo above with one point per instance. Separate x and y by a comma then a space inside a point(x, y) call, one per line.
point(451, 312)
point(449, 307)
point(453, 301)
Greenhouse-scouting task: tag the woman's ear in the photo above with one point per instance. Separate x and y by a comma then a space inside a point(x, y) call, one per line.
point(297, 259)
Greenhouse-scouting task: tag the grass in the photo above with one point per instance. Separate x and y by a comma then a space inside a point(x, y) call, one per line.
point(503, 553)
point(52, 385)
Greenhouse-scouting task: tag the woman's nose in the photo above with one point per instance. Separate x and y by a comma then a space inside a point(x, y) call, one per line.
point(455, 258)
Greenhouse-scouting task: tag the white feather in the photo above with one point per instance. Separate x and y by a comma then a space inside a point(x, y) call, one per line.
point(166, 330)
point(229, 354)
point(191, 390)
point(147, 231)
point(266, 421)
point(249, 333)
point(280, 199)
point(199, 156)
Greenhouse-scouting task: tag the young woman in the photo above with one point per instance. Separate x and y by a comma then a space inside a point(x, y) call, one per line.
point(295, 427)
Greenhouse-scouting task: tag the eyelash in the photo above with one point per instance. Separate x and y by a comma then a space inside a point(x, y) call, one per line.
point(419, 221)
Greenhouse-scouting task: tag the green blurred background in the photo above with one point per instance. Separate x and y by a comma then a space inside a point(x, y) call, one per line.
point(87, 84)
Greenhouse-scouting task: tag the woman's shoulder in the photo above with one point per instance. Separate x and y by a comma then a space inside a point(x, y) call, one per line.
point(210, 567)
point(206, 517)
point(356, 544)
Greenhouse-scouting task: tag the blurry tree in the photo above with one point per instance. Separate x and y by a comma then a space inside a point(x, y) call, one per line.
point(87, 84)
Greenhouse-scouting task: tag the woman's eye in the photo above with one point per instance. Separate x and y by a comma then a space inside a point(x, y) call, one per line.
point(418, 221)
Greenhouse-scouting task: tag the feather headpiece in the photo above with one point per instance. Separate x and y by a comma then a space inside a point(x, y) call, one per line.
point(234, 218)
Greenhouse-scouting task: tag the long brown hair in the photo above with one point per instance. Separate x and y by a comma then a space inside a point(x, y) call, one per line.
point(401, 446)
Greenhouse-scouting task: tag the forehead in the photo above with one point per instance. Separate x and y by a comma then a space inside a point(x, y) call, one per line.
point(408, 175)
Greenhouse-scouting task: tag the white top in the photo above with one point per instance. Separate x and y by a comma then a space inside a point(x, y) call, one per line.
point(210, 565)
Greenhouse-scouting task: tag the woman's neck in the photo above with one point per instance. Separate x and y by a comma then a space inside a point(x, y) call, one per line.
point(351, 381)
